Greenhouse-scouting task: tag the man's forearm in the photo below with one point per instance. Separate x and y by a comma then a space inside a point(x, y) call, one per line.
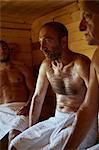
point(35, 110)
point(79, 130)
point(29, 100)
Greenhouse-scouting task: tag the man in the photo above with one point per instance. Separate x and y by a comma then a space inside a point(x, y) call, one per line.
point(16, 87)
point(89, 109)
point(67, 73)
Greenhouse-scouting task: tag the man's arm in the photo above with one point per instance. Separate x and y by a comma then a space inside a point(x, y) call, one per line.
point(39, 95)
point(86, 113)
point(29, 81)
point(82, 69)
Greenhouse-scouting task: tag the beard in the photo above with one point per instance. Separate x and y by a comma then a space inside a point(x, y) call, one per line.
point(92, 38)
point(93, 42)
point(4, 59)
point(54, 54)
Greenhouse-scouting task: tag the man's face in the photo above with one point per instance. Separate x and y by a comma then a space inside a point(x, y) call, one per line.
point(49, 43)
point(90, 25)
point(4, 52)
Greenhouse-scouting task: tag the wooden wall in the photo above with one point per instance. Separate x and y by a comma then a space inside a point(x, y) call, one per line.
point(70, 17)
point(18, 36)
point(25, 50)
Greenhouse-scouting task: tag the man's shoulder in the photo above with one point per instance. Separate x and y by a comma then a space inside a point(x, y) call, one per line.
point(82, 62)
point(95, 59)
point(45, 62)
point(80, 58)
point(16, 63)
point(45, 65)
point(96, 55)
point(21, 66)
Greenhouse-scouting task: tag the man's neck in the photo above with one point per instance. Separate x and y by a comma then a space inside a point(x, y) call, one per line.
point(4, 64)
point(66, 57)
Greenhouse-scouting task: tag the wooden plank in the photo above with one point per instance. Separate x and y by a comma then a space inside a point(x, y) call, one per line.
point(12, 25)
point(37, 57)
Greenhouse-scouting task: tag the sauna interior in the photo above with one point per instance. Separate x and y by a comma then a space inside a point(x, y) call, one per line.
point(20, 21)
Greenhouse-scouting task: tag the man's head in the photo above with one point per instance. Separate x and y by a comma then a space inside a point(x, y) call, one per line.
point(53, 38)
point(90, 20)
point(4, 51)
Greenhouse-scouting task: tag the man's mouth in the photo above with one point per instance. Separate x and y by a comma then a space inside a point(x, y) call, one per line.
point(86, 35)
point(46, 51)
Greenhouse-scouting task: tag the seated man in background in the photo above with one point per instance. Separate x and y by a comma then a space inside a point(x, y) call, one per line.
point(16, 88)
point(68, 75)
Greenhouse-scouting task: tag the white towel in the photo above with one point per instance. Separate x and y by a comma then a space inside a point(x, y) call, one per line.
point(10, 120)
point(95, 147)
point(50, 134)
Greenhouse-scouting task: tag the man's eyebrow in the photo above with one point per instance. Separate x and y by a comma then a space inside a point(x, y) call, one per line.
point(47, 37)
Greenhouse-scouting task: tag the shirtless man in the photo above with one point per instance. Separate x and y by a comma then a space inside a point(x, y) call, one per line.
point(89, 108)
point(16, 85)
point(67, 73)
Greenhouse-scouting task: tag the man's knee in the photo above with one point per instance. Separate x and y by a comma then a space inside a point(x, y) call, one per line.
point(12, 134)
point(13, 148)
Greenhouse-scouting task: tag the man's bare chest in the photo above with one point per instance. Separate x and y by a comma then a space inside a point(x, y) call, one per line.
point(10, 76)
point(64, 79)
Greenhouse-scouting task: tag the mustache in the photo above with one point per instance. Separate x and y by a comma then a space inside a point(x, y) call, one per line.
point(45, 50)
point(53, 55)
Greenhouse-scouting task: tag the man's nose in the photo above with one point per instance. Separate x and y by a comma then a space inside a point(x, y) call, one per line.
point(42, 46)
point(82, 26)
point(1, 50)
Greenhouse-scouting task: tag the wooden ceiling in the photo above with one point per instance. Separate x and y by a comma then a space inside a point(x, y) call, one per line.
point(29, 10)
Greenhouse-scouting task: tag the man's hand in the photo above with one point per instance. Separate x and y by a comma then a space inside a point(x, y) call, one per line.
point(24, 111)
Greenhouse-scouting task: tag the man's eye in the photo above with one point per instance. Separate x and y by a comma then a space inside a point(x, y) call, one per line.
point(47, 40)
point(89, 16)
point(4, 48)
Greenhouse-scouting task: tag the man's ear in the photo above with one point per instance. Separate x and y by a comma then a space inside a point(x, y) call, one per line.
point(64, 42)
